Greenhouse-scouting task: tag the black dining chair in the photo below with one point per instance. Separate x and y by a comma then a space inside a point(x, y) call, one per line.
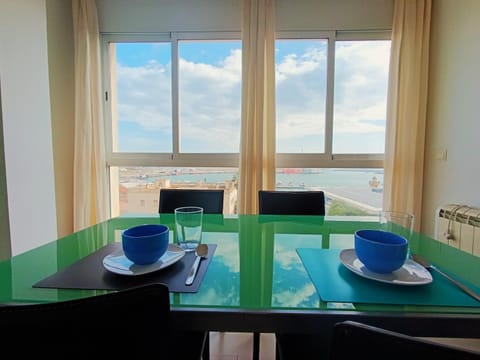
point(279, 202)
point(211, 200)
point(352, 339)
point(285, 202)
point(134, 322)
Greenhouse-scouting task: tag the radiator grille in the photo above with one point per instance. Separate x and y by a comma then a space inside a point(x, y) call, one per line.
point(459, 226)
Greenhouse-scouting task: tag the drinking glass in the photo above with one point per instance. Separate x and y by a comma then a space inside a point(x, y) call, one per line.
point(188, 225)
point(397, 222)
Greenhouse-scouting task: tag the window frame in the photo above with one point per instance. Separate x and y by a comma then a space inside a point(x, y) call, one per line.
point(283, 160)
point(116, 160)
point(160, 159)
point(328, 159)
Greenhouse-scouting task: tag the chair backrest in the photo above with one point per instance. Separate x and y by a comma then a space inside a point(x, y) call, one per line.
point(87, 325)
point(134, 322)
point(291, 202)
point(356, 340)
point(211, 200)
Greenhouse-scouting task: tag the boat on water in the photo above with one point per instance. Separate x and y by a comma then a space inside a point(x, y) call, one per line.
point(375, 185)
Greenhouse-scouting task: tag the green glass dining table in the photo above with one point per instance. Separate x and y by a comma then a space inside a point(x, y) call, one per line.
point(273, 274)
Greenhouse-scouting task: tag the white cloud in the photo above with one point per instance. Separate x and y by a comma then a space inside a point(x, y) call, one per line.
point(209, 101)
point(359, 98)
point(297, 124)
point(210, 95)
point(144, 95)
point(294, 298)
point(354, 54)
point(227, 249)
point(292, 65)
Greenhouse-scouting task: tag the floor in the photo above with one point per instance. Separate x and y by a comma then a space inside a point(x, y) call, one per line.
point(239, 346)
point(470, 344)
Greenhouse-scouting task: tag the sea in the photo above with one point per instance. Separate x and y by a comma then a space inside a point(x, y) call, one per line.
point(352, 185)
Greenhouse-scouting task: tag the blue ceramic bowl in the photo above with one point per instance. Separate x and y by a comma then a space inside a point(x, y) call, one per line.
point(145, 244)
point(381, 251)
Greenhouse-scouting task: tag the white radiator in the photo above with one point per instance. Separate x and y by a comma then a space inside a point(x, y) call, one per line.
point(459, 226)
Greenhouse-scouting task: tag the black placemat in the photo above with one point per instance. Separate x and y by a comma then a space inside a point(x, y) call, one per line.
point(89, 273)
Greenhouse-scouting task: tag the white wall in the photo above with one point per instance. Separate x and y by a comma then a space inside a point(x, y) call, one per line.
point(216, 15)
point(453, 108)
point(26, 123)
point(334, 14)
point(168, 15)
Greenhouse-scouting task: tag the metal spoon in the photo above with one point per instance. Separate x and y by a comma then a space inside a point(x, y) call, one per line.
point(201, 252)
point(427, 265)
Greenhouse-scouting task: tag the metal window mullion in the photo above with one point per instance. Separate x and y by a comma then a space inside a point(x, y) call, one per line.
point(175, 96)
point(208, 35)
point(181, 160)
point(329, 98)
point(314, 160)
point(106, 88)
point(351, 35)
point(302, 34)
point(106, 62)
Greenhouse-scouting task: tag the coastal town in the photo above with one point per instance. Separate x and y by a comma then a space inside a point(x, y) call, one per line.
point(361, 194)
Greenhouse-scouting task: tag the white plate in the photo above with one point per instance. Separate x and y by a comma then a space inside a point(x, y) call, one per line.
point(118, 263)
point(411, 273)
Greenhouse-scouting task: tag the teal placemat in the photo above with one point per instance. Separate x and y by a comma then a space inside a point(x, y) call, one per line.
point(335, 283)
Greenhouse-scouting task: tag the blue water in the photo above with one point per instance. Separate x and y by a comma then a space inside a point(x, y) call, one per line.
point(347, 184)
point(316, 178)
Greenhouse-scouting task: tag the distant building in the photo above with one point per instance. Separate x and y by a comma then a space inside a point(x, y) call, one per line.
point(138, 198)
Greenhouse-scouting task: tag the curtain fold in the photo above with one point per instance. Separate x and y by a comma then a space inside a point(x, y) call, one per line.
point(407, 107)
point(257, 140)
point(90, 171)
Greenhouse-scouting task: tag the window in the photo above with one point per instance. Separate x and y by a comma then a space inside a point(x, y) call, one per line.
point(173, 94)
point(301, 88)
point(141, 96)
point(173, 104)
point(360, 96)
point(209, 84)
point(331, 93)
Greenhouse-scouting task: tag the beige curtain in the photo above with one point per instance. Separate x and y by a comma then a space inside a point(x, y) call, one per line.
point(90, 171)
point(257, 141)
point(407, 107)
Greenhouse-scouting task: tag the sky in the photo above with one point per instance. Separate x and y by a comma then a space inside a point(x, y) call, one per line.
point(210, 96)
